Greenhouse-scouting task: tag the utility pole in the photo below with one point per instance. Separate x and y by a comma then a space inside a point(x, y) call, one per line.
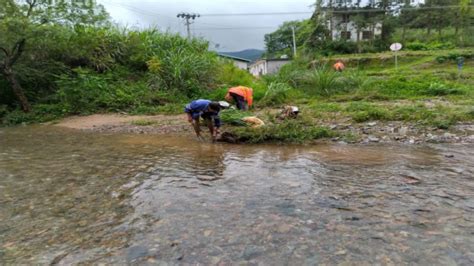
point(188, 17)
point(294, 41)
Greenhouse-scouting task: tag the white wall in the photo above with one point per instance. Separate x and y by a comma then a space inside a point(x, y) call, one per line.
point(258, 68)
point(274, 66)
point(241, 64)
point(264, 67)
point(339, 26)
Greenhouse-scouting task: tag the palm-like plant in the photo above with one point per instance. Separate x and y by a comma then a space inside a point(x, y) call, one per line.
point(322, 80)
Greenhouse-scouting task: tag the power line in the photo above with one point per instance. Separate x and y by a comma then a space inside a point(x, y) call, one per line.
point(213, 25)
point(256, 14)
point(239, 28)
point(354, 10)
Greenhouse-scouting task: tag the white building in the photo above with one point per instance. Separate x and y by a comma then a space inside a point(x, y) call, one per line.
point(267, 66)
point(241, 63)
point(343, 26)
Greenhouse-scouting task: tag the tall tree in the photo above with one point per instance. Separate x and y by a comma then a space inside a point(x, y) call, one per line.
point(280, 42)
point(20, 23)
point(464, 15)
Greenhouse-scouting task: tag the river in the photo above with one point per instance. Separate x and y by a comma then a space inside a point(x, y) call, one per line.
point(73, 197)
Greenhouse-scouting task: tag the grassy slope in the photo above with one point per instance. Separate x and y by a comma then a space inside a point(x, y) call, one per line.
point(390, 96)
point(413, 66)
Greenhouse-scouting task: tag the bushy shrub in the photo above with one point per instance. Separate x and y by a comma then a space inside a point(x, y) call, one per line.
point(417, 46)
point(356, 80)
point(443, 123)
point(40, 113)
point(17, 117)
point(436, 45)
point(168, 108)
point(175, 66)
point(291, 73)
point(402, 87)
point(276, 94)
point(440, 89)
point(229, 75)
point(182, 65)
point(338, 47)
point(441, 59)
point(3, 110)
point(453, 56)
point(323, 81)
point(87, 92)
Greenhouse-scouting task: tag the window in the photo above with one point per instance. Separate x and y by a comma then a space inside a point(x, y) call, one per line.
point(345, 35)
point(366, 35)
point(345, 18)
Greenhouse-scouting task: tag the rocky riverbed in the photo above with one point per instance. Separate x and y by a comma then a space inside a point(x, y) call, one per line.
point(75, 197)
point(409, 133)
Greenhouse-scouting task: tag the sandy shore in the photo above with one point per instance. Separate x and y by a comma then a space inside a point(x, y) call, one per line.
point(156, 124)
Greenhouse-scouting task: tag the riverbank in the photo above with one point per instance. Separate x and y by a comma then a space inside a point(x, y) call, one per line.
point(341, 130)
point(119, 123)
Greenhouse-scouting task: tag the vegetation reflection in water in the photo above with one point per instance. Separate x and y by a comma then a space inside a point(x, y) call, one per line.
point(73, 197)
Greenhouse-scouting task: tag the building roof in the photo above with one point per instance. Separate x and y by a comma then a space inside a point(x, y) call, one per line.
point(234, 57)
point(272, 59)
point(278, 59)
point(269, 60)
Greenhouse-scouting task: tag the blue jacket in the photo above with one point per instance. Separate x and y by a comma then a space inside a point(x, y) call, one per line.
point(199, 108)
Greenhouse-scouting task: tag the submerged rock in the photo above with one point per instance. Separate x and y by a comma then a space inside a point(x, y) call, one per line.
point(373, 139)
point(403, 131)
point(470, 138)
point(252, 252)
point(371, 124)
point(207, 178)
point(136, 252)
point(228, 137)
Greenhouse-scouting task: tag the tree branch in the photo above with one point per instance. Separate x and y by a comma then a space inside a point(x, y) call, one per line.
point(17, 51)
point(4, 51)
point(32, 4)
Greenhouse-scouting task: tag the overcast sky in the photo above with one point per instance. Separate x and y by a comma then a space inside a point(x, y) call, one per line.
point(225, 32)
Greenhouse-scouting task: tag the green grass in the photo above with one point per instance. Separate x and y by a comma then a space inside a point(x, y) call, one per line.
point(295, 131)
point(234, 117)
point(421, 91)
point(167, 109)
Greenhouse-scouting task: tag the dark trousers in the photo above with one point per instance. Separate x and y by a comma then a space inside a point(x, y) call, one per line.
point(239, 101)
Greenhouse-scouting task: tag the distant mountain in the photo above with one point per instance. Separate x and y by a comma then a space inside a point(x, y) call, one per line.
point(250, 54)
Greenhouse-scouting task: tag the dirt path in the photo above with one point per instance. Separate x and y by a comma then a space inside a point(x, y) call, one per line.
point(127, 124)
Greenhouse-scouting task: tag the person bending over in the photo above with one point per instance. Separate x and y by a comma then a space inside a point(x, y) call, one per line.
point(242, 96)
point(209, 112)
point(339, 66)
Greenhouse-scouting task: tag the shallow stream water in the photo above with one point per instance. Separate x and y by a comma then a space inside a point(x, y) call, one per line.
point(70, 197)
